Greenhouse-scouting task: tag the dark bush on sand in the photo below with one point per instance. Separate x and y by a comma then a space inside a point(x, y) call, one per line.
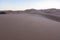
point(2, 12)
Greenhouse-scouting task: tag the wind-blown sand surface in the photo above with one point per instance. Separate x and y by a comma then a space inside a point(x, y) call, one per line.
point(28, 27)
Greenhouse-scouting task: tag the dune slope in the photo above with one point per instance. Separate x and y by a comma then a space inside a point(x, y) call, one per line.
point(28, 27)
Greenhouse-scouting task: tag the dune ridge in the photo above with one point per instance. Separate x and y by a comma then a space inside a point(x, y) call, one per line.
point(29, 26)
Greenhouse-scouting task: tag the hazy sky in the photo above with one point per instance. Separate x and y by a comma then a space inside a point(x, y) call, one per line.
point(27, 4)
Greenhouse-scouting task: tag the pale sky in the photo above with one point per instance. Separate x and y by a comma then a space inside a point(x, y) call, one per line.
point(27, 4)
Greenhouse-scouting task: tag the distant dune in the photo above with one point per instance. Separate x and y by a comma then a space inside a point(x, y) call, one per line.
point(35, 25)
point(53, 13)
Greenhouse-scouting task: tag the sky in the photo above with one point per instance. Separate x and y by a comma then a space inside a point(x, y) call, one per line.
point(28, 4)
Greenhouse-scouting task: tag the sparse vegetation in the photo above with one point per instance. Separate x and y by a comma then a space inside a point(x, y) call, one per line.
point(2, 12)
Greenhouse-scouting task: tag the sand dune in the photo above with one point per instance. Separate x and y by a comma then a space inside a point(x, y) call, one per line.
point(28, 27)
point(52, 14)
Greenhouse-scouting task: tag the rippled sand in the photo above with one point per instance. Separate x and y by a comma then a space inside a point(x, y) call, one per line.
point(28, 27)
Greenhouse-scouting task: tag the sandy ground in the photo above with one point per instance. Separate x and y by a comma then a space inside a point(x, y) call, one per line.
point(28, 27)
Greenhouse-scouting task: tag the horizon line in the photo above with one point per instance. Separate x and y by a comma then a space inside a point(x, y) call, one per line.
point(25, 9)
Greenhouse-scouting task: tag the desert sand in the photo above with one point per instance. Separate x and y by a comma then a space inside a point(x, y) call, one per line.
point(28, 27)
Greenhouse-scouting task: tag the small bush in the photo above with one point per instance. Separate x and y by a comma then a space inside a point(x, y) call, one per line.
point(2, 13)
